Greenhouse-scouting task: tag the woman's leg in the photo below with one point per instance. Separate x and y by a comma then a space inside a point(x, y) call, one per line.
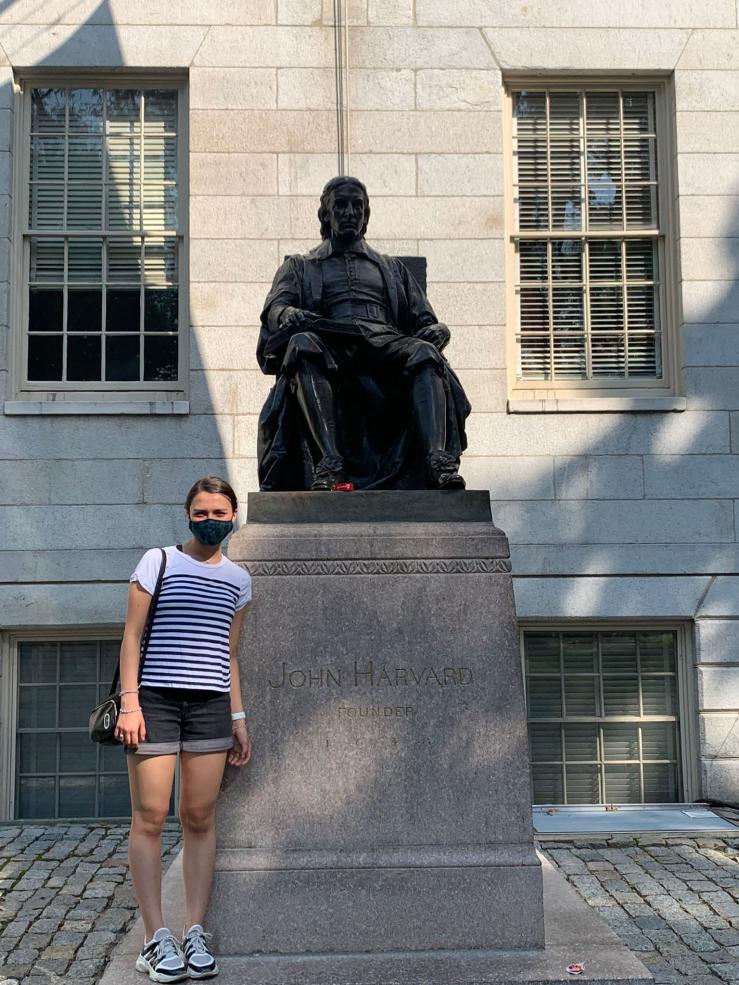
point(200, 782)
point(150, 779)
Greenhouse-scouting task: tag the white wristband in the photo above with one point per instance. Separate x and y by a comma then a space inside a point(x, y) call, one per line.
point(235, 715)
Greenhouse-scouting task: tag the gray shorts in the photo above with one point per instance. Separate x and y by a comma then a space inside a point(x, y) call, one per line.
point(179, 718)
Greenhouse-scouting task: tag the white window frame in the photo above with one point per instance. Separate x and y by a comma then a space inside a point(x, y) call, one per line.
point(9, 653)
point(542, 396)
point(686, 680)
point(115, 397)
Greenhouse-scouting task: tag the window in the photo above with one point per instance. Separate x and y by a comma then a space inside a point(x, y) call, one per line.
point(58, 771)
point(102, 244)
point(589, 240)
point(603, 711)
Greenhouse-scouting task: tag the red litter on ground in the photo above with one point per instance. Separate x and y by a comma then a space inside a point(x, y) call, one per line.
point(575, 969)
point(343, 487)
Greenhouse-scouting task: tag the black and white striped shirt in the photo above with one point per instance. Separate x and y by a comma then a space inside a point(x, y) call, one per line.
point(189, 643)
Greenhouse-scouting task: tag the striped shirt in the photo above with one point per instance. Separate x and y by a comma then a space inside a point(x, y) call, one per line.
point(189, 643)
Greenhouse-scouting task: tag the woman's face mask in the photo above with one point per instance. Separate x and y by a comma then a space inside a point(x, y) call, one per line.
point(211, 532)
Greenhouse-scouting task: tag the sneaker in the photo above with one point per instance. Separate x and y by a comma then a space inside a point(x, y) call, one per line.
point(200, 962)
point(162, 958)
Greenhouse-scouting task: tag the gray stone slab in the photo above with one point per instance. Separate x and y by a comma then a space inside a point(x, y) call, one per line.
point(573, 932)
point(409, 506)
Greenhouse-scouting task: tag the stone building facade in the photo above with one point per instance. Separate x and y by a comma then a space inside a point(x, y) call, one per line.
point(569, 171)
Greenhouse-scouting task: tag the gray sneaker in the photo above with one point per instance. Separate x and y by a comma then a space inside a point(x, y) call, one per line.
point(162, 958)
point(200, 962)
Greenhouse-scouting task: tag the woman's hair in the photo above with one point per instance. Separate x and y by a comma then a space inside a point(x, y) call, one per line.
point(323, 215)
point(212, 484)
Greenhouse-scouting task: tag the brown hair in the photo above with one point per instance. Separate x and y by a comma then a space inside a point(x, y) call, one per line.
point(212, 484)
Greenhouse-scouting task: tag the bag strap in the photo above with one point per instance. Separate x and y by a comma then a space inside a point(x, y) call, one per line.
point(147, 628)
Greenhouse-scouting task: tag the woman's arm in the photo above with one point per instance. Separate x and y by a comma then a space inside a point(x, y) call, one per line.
point(241, 752)
point(131, 723)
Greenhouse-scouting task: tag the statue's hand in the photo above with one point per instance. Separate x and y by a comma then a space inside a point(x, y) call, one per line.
point(294, 317)
point(437, 335)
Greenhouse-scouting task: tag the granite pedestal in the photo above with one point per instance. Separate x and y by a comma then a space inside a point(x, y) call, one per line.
point(383, 829)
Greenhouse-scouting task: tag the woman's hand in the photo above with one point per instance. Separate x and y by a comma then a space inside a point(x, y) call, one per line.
point(130, 729)
point(241, 752)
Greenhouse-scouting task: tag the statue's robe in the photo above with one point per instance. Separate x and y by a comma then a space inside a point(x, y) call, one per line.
point(374, 416)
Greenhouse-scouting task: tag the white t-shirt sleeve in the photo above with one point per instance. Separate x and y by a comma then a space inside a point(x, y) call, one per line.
point(147, 570)
point(244, 592)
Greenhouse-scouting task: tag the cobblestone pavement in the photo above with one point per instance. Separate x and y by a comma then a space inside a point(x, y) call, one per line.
point(674, 901)
point(65, 900)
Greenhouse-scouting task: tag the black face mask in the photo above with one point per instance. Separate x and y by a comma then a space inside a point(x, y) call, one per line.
point(211, 532)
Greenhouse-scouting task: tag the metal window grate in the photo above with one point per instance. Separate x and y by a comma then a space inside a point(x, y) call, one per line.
point(588, 240)
point(102, 249)
point(603, 717)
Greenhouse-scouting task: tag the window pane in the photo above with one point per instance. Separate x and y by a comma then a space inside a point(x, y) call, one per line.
point(623, 785)
point(160, 110)
point(621, 696)
point(122, 357)
point(76, 701)
point(547, 784)
point(583, 784)
point(47, 260)
point(620, 742)
point(47, 163)
point(544, 696)
point(44, 357)
point(160, 260)
point(48, 110)
point(124, 260)
point(86, 110)
point(545, 742)
point(579, 652)
point(660, 784)
point(115, 800)
point(542, 653)
point(580, 696)
point(581, 742)
point(618, 653)
point(657, 652)
point(84, 357)
point(123, 109)
point(76, 796)
point(78, 662)
point(658, 696)
point(37, 663)
point(36, 752)
point(659, 741)
point(37, 706)
point(36, 797)
point(160, 310)
point(109, 653)
point(77, 753)
point(112, 759)
point(123, 311)
point(85, 312)
point(45, 310)
point(160, 358)
point(85, 161)
point(86, 259)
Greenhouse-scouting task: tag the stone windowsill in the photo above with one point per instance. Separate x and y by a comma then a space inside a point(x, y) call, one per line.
point(56, 407)
point(597, 405)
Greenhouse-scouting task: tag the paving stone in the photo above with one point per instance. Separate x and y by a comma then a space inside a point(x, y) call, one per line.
point(87, 968)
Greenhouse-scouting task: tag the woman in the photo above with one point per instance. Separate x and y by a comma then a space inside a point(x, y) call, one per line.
point(189, 702)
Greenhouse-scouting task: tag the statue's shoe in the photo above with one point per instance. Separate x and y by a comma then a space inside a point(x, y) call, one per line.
point(442, 472)
point(328, 473)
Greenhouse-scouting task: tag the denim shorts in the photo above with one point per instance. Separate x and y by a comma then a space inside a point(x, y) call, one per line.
point(179, 718)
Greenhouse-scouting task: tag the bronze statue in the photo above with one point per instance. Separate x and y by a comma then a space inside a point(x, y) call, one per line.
point(363, 393)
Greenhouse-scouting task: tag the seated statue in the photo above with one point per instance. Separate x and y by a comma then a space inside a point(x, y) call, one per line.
point(363, 392)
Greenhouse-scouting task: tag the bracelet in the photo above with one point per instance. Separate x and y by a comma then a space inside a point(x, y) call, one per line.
point(235, 715)
point(238, 727)
point(130, 692)
point(129, 711)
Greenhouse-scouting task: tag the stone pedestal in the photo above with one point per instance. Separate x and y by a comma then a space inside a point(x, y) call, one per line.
point(384, 822)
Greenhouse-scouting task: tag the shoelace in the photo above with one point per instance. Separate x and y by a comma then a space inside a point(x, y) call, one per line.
point(167, 947)
point(195, 942)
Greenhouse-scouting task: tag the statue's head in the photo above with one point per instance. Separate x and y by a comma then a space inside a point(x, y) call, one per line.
point(337, 187)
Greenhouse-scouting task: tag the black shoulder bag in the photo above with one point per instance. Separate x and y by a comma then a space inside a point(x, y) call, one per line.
point(104, 717)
